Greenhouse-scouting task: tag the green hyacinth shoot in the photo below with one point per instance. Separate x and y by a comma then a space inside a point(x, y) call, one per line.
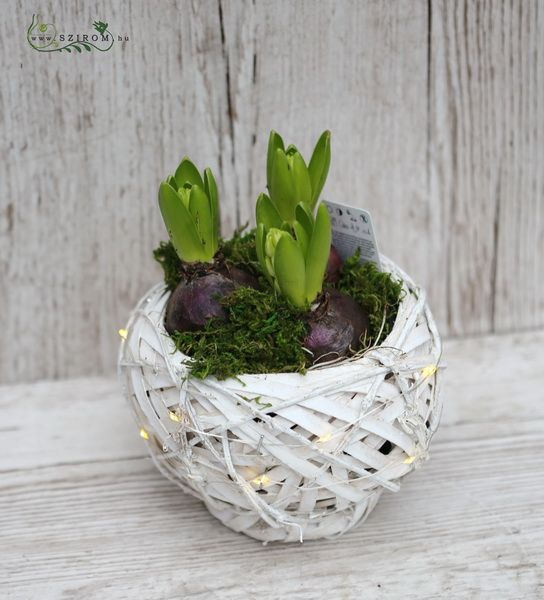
point(189, 208)
point(295, 259)
point(292, 244)
point(290, 181)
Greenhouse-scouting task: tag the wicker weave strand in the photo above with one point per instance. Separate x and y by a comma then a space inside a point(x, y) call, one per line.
point(287, 457)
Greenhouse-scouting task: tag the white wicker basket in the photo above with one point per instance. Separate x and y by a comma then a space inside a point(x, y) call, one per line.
point(287, 457)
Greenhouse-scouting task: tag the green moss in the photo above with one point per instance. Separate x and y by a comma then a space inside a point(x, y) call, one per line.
point(376, 291)
point(238, 250)
point(170, 262)
point(263, 334)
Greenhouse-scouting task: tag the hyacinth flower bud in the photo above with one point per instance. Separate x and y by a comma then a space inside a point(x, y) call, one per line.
point(189, 207)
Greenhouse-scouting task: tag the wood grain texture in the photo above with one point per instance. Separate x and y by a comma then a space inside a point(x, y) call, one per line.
point(486, 162)
point(437, 114)
point(83, 512)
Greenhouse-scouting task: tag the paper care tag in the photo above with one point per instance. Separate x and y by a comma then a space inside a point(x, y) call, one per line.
point(352, 229)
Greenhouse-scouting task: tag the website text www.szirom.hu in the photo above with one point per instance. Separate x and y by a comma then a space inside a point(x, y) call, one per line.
point(84, 37)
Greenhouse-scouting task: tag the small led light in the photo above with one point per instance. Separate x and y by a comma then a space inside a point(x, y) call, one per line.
point(325, 438)
point(144, 434)
point(174, 416)
point(409, 460)
point(123, 333)
point(428, 371)
point(261, 480)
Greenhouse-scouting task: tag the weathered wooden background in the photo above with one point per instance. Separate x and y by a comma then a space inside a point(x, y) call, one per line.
point(437, 114)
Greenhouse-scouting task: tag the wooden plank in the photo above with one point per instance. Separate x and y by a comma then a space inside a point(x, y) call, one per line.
point(486, 155)
point(83, 512)
point(519, 280)
point(85, 141)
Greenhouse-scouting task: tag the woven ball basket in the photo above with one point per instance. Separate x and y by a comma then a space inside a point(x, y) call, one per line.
point(286, 457)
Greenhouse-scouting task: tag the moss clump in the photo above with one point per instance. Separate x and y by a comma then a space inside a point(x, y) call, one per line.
point(239, 251)
point(170, 262)
point(376, 291)
point(262, 334)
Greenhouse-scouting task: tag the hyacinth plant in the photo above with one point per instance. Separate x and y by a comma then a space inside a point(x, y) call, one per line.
point(295, 262)
point(277, 298)
point(189, 205)
point(290, 181)
point(292, 245)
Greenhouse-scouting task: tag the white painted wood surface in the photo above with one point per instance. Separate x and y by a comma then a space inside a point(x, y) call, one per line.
point(84, 514)
point(437, 113)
